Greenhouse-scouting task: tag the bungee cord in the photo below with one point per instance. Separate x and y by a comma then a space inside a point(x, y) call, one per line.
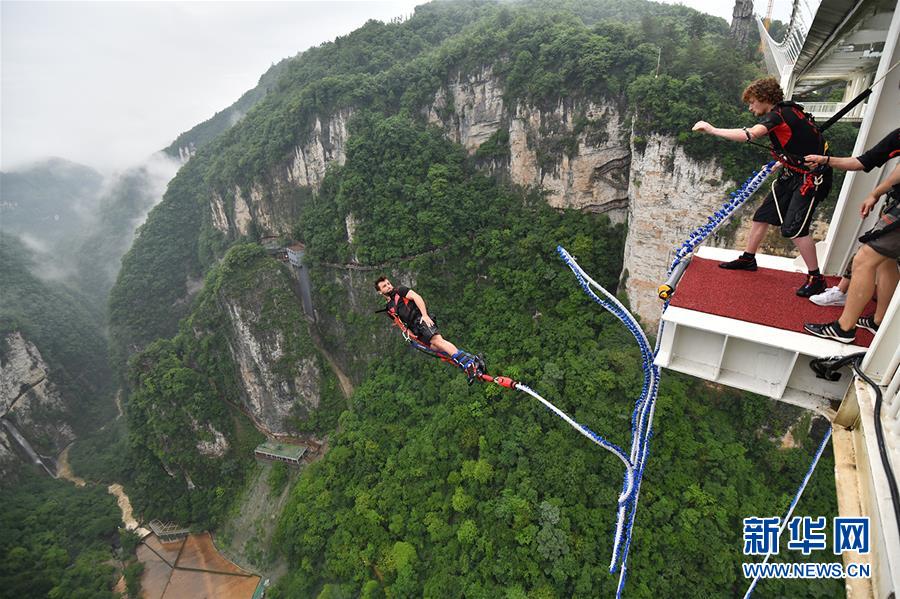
point(645, 404)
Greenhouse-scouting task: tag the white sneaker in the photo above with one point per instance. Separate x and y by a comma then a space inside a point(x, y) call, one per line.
point(830, 297)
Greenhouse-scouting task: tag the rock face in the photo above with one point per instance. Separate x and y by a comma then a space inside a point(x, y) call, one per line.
point(579, 153)
point(742, 21)
point(216, 446)
point(327, 143)
point(272, 209)
point(669, 195)
point(273, 388)
point(29, 400)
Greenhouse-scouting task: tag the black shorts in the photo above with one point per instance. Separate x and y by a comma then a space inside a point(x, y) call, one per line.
point(424, 333)
point(791, 207)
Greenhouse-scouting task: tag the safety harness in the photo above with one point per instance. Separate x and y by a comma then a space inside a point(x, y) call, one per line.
point(472, 366)
point(812, 178)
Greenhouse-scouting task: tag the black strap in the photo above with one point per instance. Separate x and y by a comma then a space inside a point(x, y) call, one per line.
point(876, 233)
point(850, 106)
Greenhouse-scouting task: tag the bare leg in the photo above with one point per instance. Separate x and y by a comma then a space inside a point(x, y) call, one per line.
point(844, 285)
point(887, 278)
point(865, 264)
point(807, 248)
point(438, 343)
point(757, 233)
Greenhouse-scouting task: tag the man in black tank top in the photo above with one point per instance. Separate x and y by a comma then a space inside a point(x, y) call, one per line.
point(409, 308)
point(795, 194)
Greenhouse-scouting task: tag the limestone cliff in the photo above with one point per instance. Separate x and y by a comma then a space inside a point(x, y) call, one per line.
point(273, 389)
point(251, 315)
point(30, 400)
point(577, 153)
point(272, 209)
point(580, 154)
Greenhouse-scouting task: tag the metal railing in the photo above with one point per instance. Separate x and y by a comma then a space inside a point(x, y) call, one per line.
point(825, 110)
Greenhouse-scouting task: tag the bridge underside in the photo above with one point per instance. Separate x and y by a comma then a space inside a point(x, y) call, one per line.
point(841, 44)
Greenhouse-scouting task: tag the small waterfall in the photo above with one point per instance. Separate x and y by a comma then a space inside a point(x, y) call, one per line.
point(24, 444)
point(301, 275)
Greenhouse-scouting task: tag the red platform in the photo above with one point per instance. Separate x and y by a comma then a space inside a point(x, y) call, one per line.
point(765, 297)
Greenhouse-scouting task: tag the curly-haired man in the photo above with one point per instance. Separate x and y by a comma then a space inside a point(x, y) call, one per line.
point(794, 195)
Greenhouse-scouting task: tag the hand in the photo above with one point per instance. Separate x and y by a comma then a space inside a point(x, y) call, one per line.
point(426, 320)
point(702, 127)
point(867, 205)
point(815, 159)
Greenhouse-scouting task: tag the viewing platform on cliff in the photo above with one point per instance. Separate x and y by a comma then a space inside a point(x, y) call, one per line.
point(281, 452)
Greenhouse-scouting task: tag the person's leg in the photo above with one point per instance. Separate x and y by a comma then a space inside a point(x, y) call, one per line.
point(887, 277)
point(865, 265)
point(807, 248)
point(438, 343)
point(844, 285)
point(757, 234)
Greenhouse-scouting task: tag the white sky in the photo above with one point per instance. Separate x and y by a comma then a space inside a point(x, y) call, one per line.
point(108, 83)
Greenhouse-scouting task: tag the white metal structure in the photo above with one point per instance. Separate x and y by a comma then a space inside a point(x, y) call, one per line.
point(856, 42)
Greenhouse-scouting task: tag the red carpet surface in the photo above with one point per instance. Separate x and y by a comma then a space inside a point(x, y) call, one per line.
point(764, 297)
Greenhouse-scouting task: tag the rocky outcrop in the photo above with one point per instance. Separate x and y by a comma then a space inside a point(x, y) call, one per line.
point(273, 389)
point(577, 153)
point(668, 195)
point(271, 209)
point(214, 447)
point(327, 143)
point(8, 457)
point(29, 399)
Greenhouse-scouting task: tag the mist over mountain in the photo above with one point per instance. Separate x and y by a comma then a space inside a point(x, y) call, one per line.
point(49, 201)
point(452, 152)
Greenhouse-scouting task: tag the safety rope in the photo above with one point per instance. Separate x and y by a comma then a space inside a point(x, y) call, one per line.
point(502, 381)
point(641, 418)
point(790, 510)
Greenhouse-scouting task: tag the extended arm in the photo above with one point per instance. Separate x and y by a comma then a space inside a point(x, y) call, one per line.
point(844, 164)
point(756, 131)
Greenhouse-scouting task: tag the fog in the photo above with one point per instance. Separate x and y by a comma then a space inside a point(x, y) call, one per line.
point(107, 84)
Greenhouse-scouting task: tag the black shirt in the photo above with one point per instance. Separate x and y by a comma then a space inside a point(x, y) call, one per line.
point(883, 151)
point(791, 132)
point(406, 309)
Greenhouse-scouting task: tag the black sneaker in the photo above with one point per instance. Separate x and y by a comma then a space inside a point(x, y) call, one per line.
point(480, 366)
point(742, 263)
point(830, 330)
point(814, 285)
point(867, 323)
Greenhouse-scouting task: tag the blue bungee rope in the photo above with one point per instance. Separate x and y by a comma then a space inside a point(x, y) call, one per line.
point(641, 417)
point(796, 500)
point(645, 405)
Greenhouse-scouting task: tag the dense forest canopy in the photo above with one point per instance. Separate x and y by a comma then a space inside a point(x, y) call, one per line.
point(430, 487)
point(57, 540)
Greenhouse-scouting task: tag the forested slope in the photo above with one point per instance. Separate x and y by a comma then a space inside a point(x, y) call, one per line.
point(433, 488)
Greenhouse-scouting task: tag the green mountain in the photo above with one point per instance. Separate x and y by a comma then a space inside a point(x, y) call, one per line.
point(55, 381)
point(452, 152)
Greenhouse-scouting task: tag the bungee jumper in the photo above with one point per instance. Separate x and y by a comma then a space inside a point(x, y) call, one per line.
point(408, 311)
point(791, 203)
